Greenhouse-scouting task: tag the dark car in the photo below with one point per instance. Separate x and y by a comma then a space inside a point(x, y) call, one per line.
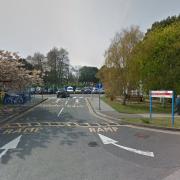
point(50, 91)
point(62, 93)
point(86, 90)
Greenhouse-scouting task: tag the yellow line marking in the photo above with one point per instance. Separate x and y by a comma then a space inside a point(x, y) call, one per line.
point(58, 124)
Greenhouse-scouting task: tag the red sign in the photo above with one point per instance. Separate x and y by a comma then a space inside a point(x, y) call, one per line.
point(164, 94)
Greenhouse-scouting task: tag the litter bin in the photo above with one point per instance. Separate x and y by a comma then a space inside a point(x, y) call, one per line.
point(178, 104)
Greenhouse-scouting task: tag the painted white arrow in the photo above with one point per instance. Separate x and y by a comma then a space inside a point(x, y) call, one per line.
point(11, 145)
point(107, 140)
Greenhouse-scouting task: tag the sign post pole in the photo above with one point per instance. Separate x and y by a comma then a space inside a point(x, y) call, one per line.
point(99, 98)
point(173, 109)
point(162, 94)
point(150, 100)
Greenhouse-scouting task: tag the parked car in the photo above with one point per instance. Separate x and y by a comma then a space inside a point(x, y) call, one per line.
point(95, 90)
point(45, 91)
point(86, 90)
point(78, 90)
point(101, 91)
point(62, 93)
point(50, 91)
point(70, 89)
point(38, 90)
point(32, 90)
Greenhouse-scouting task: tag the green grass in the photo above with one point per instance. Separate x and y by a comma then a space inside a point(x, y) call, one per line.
point(160, 122)
point(135, 108)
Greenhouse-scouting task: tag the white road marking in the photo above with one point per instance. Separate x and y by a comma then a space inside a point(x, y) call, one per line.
point(107, 140)
point(51, 97)
point(11, 145)
point(60, 112)
point(66, 103)
point(76, 103)
point(74, 97)
point(81, 97)
point(57, 101)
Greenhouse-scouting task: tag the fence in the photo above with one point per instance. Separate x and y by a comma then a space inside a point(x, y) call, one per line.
point(19, 98)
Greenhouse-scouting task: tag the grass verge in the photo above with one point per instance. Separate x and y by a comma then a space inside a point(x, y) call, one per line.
point(159, 122)
point(136, 108)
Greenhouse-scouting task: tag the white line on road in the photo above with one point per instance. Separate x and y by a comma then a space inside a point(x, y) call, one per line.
point(74, 97)
point(57, 101)
point(60, 112)
point(66, 103)
point(11, 145)
point(107, 140)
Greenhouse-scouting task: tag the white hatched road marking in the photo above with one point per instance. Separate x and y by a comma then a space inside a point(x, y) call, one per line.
point(60, 112)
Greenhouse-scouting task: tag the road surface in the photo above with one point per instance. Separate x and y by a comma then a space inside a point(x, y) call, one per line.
point(61, 139)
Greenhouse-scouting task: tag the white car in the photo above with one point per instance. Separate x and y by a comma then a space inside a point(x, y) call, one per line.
point(70, 89)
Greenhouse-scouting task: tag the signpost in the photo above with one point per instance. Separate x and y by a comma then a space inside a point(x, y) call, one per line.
point(99, 86)
point(162, 94)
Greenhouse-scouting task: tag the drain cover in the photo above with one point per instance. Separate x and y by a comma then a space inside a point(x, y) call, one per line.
point(92, 144)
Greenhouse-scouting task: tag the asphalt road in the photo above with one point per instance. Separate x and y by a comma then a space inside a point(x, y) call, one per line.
point(58, 140)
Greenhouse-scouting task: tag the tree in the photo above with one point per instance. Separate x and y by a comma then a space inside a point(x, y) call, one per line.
point(87, 74)
point(26, 64)
point(163, 24)
point(37, 61)
point(13, 73)
point(158, 58)
point(58, 61)
point(116, 71)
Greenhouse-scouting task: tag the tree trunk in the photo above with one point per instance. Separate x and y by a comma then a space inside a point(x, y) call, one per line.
point(124, 99)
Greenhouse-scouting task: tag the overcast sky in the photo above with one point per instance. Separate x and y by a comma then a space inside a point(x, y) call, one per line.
point(83, 27)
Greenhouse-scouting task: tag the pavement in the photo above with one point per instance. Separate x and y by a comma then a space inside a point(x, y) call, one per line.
point(62, 139)
point(105, 109)
point(9, 111)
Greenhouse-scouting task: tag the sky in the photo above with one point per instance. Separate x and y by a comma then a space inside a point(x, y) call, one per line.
point(83, 27)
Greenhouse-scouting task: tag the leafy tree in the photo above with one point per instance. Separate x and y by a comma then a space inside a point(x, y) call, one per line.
point(87, 74)
point(164, 23)
point(115, 72)
point(158, 58)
